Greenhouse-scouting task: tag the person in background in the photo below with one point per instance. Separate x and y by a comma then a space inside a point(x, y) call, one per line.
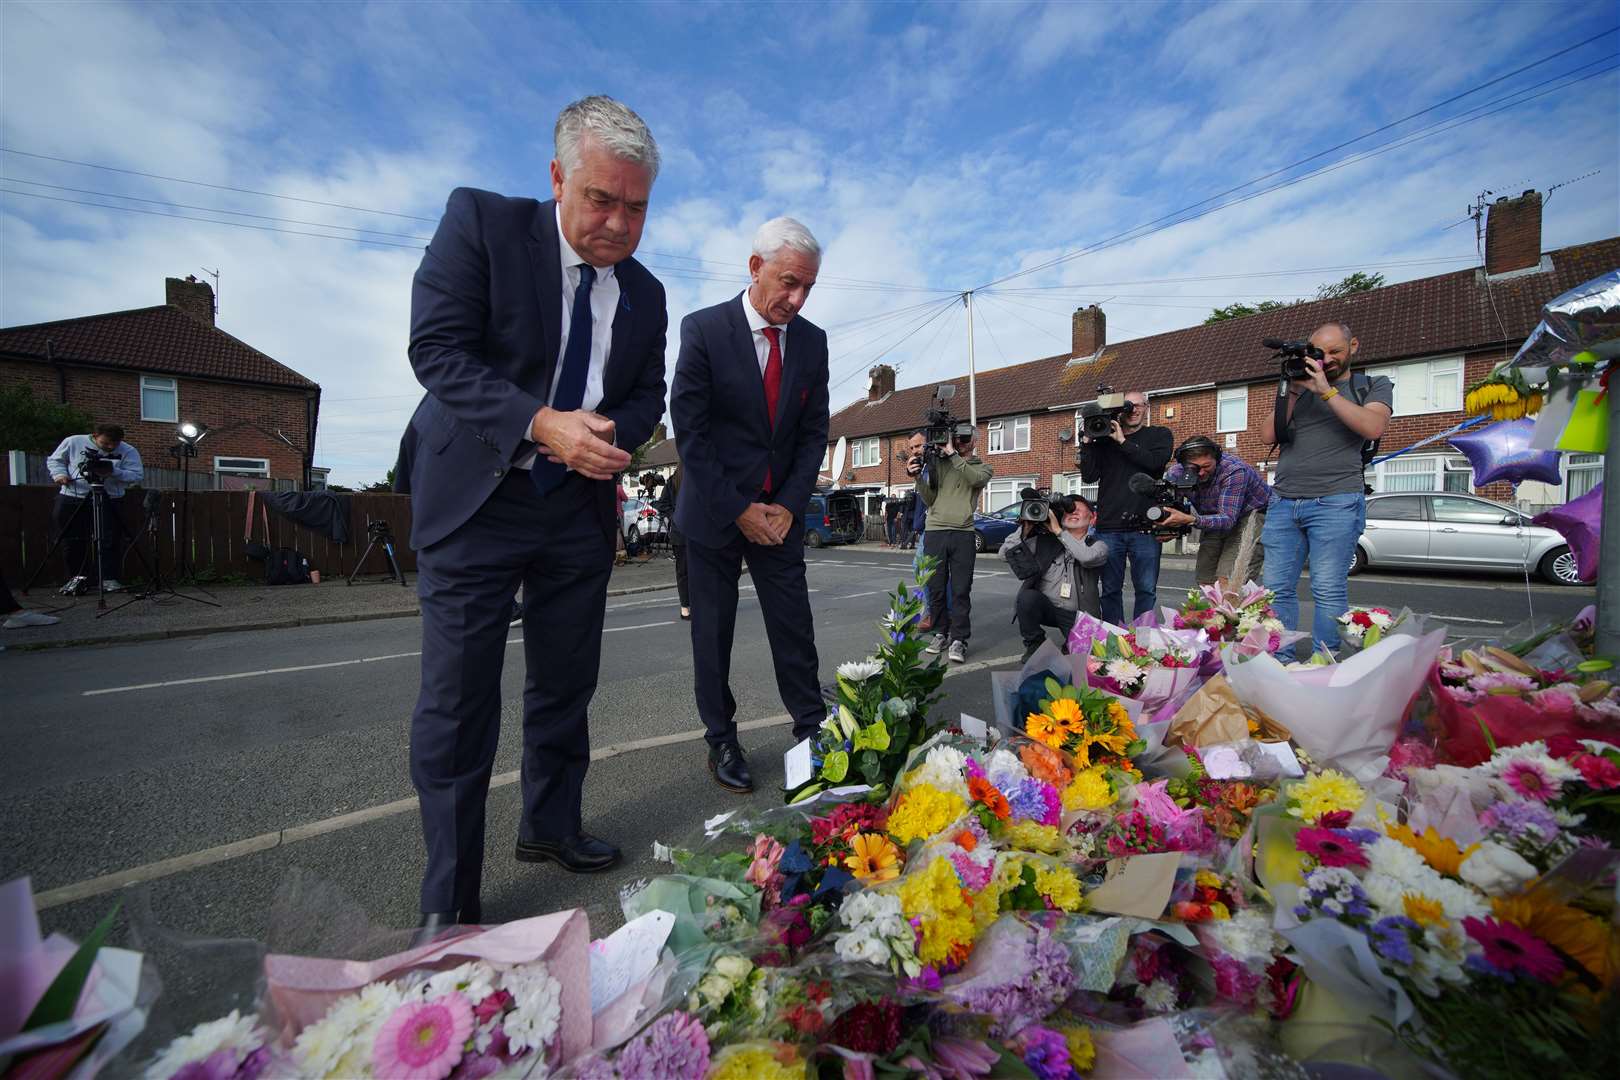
point(665, 505)
point(1132, 446)
point(1230, 499)
point(950, 486)
point(67, 466)
point(1059, 563)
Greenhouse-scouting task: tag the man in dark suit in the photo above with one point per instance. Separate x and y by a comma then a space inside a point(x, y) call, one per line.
point(540, 342)
point(750, 413)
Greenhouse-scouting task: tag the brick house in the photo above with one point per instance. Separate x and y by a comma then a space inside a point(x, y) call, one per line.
point(150, 369)
point(1432, 336)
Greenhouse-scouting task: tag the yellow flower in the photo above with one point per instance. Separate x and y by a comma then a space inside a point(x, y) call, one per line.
point(1424, 911)
point(1045, 730)
point(1121, 719)
point(757, 1061)
point(1067, 714)
point(1059, 885)
point(1440, 852)
point(1089, 790)
point(934, 897)
point(1324, 793)
point(1585, 938)
point(1030, 836)
point(924, 811)
point(1082, 1051)
point(1209, 879)
point(875, 859)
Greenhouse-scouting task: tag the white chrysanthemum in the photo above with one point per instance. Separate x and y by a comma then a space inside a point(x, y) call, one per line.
point(339, 1044)
point(476, 980)
point(1246, 936)
point(536, 1007)
point(232, 1032)
point(942, 767)
point(1004, 769)
point(1158, 996)
point(861, 670)
point(1122, 671)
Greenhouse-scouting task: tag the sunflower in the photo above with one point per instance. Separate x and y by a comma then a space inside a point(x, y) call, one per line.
point(1440, 852)
point(875, 858)
point(1582, 937)
point(1043, 729)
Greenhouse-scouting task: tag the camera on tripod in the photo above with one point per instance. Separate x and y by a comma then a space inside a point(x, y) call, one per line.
point(1291, 356)
point(943, 428)
point(97, 465)
point(378, 531)
point(1097, 417)
point(1171, 493)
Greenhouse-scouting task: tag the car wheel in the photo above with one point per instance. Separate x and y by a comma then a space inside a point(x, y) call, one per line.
point(812, 539)
point(980, 544)
point(1358, 561)
point(1558, 566)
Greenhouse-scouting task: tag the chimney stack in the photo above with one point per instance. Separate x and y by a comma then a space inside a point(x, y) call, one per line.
point(191, 296)
point(1090, 331)
point(882, 383)
point(1513, 234)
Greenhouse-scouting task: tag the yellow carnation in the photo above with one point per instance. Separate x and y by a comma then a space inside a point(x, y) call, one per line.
point(1324, 793)
point(1031, 836)
point(1059, 885)
point(1089, 790)
point(757, 1061)
point(934, 896)
point(924, 811)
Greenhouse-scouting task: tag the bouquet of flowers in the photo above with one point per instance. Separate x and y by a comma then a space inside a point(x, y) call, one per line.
point(880, 714)
point(1228, 613)
point(1490, 697)
point(1364, 626)
point(1226, 804)
point(1151, 665)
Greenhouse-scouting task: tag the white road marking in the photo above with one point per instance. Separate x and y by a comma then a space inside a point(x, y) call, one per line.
point(1459, 618)
point(852, 596)
point(135, 875)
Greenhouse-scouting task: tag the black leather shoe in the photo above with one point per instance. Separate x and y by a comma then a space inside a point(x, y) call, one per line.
point(435, 924)
point(581, 854)
point(730, 768)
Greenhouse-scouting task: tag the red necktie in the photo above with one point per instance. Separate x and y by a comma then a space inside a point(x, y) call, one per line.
point(773, 381)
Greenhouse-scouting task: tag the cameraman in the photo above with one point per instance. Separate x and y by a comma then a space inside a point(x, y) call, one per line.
point(1231, 499)
point(1131, 447)
point(949, 487)
point(1318, 505)
point(1058, 562)
point(72, 475)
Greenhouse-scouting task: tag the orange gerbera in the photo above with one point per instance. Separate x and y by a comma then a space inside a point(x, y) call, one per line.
point(982, 790)
point(1067, 714)
point(1044, 729)
point(875, 858)
point(966, 840)
point(1440, 852)
point(1121, 720)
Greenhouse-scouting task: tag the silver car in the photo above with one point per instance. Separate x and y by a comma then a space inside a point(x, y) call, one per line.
point(1443, 531)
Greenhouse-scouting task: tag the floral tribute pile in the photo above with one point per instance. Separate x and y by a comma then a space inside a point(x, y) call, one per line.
point(1118, 879)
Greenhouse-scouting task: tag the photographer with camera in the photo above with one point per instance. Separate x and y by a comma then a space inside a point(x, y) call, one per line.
point(1230, 498)
point(1058, 561)
point(949, 478)
point(1326, 425)
point(102, 458)
point(1109, 458)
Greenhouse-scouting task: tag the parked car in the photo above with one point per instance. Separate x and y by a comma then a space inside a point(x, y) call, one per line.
point(640, 521)
point(1443, 531)
point(992, 527)
point(834, 517)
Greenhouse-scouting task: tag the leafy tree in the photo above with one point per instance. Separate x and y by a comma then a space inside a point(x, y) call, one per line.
point(383, 486)
point(36, 425)
point(1354, 283)
point(1238, 311)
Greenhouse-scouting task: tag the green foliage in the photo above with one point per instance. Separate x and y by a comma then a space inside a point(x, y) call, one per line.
point(1338, 290)
point(35, 425)
point(63, 994)
point(1238, 311)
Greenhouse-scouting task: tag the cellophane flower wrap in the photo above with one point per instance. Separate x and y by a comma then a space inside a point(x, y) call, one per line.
point(1151, 665)
point(1491, 697)
point(1227, 613)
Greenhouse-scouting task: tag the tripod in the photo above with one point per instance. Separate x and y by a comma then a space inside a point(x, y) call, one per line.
point(97, 502)
point(379, 532)
point(157, 588)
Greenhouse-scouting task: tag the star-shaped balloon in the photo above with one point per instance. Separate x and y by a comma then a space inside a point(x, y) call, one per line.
point(1502, 452)
point(1580, 521)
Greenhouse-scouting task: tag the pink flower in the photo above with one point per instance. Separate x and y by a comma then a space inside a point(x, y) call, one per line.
point(1598, 772)
point(762, 871)
point(1530, 780)
point(1510, 949)
point(1330, 848)
point(1502, 682)
point(423, 1040)
point(492, 1006)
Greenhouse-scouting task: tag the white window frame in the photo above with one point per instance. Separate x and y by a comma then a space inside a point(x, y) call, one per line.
point(160, 383)
point(864, 452)
point(987, 504)
point(826, 458)
point(1440, 466)
point(1582, 472)
point(1231, 395)
point(262, 468)
point(996, 435)
point(1074, 484)
point(1427, 372)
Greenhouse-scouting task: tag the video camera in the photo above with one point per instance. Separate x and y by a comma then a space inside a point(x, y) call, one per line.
point(1167, 494)
point(942, 427)
point(1291, 356)
point(95, 465)
point(1097, 417)
point(1039, 505)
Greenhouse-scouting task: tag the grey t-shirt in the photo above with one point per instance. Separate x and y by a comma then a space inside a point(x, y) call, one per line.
point(1324, 457)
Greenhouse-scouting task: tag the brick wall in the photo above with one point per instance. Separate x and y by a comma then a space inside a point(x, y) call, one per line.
point(228, 409)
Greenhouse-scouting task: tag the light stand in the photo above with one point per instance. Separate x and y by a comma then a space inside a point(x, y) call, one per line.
point(188, 436)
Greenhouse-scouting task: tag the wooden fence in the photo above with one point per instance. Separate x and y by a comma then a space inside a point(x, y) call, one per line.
point(217, 545)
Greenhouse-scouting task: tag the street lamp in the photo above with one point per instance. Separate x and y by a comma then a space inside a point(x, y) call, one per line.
point(187, 436)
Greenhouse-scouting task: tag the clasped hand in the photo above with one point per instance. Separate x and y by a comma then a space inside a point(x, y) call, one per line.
point(1316, 378)
point(766, 524)
point(579, 439)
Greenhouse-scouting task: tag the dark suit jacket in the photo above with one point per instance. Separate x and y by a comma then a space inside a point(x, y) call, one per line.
point(723, 432)
point(486, 327)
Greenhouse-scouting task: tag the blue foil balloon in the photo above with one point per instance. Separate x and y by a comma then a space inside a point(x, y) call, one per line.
point(1502, 452)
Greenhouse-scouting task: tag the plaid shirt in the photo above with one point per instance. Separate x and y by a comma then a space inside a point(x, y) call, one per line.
point(1234, 490)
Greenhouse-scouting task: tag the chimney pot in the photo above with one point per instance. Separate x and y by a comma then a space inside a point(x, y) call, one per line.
point(195, 298)
point(1090, 331)
point(882, 382)
point(1513, 234)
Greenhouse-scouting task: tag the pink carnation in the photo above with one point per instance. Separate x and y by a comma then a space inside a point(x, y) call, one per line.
point(1599, 772)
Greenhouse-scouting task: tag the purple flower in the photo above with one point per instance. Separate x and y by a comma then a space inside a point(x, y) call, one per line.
point(675, 1047)
point(1520, 821)
point(1036, 801)
point(1044, 979)
point(1391, 938)
point(220, 1065)
point(1046, 1053)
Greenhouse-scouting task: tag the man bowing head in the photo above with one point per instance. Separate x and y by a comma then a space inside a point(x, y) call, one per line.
point(750, 413)
point(540, 342)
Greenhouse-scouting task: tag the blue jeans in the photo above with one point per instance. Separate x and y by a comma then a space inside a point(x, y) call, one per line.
point(1143, 552)
point(1323, 531)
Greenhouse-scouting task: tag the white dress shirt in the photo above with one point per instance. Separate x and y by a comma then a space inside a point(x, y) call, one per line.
point(604, 302)
point(756, 327)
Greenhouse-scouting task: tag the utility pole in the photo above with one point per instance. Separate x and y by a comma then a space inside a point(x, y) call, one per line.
point(973, 388)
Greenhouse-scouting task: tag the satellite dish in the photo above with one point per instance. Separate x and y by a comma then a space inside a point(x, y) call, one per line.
point(840, 452)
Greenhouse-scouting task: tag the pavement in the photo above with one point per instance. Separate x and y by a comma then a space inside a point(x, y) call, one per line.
point(229, 777)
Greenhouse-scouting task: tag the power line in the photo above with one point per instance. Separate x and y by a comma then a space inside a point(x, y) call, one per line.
point(1001, 302)
point(1087, 285)
point(1302, 161)
point(942, 307)
point(1004, 361)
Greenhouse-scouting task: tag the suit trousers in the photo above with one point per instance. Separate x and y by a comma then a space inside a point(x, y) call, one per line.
point(556, 548)
point(778, 577)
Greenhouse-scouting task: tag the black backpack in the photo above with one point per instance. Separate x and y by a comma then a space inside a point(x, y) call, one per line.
point(286, 566)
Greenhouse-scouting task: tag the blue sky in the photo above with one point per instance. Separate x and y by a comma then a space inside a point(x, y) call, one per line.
point(935, 147)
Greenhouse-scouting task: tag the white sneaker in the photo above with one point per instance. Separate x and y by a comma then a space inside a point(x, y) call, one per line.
point(23, 619)
point(958, 652)
point(112, 584)
point(937, 645)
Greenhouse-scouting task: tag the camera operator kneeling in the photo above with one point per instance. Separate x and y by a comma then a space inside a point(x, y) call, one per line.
point(1230, 498)
point(1059, 564)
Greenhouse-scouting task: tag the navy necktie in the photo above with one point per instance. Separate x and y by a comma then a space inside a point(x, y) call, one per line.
point(576, 364)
